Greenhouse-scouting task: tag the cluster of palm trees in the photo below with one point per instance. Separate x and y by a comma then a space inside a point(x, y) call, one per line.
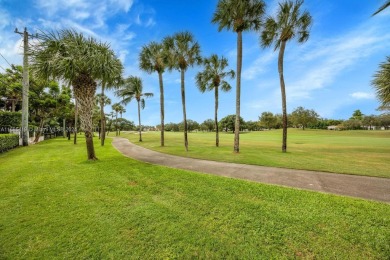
point(83, 62)
point(181, 51)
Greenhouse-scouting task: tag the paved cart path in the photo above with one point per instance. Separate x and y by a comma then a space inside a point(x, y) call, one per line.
point(372, 188)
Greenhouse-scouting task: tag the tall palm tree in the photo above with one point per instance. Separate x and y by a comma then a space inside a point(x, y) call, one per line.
point(381, 83)
point(288, 23)
point(383, 7)
point(239, 16)
point(132, 88)
point(111, 72)
point(211, 78)
point(76, 59)
point(153, 59)
point(183, 52)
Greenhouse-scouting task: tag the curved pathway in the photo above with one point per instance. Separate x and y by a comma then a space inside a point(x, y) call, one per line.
point(372, 188)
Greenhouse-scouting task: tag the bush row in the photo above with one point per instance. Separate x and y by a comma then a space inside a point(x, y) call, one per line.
point(12, 119)
point(8, 141)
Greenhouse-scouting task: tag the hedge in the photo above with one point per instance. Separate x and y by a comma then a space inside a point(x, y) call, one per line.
point(8, 141)
point(12, 119)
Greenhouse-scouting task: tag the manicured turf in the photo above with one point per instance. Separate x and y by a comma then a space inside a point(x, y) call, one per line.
point(55, 204)
point(351, 152)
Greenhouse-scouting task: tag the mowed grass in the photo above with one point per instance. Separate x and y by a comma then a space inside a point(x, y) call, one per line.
point(56, 205)
point(349, 152)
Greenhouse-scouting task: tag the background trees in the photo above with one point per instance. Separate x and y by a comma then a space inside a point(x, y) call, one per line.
point(268, 120)
point(239, 16)
point(302, 117)
point(288, 23)
point(211, 78)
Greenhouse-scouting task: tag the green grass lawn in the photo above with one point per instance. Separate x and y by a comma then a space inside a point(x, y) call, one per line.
point(350, 152)
point(55, 204)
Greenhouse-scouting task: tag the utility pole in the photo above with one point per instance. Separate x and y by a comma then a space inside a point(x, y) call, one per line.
point(25, 86)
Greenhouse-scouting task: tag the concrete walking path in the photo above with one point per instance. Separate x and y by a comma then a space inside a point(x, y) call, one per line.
point(372, 188)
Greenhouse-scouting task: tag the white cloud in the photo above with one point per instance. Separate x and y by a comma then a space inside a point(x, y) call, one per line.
point(362, 95)
point(330, 58)
point(259, 66)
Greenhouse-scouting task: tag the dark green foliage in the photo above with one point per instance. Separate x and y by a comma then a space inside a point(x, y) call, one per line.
point(12, 119)
point(227, 123)
point(8, 141)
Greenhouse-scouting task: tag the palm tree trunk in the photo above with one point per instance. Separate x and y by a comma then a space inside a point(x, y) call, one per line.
point(283, 91)
point(139, 121)
point(85, 95)
point(238, 93)
point(183, 100)
point(13, 105)
point(75, 122)
point(102, 118)
point(216, 117)
point(116, 124)
point(161, 107)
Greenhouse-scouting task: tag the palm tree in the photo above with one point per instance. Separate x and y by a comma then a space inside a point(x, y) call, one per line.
point(106, 101)
point(111, 72)
point(211, 78)
point(381, 83)
point(383, 7)
point(183, 52)
point(132, 88)
point(288, 23)
point(153, 59)
point(121, 110)
point(239, 16)
point(117, 108)
point(76, 59)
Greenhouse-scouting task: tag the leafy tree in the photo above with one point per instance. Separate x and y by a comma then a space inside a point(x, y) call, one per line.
point(252, 125)
point(153, 58)
point(172, 127)
point(239, 16)
point(383, 7)
point(352, 124)
point(381, 83)
point(370, 121)
point(268, 120)
point(208, 125)
point(288, 23)
point(303, 117)
point(191, 125)
point(11, 86)
point(228, 123)
point(183, 52)
point(211, 78)
point(132, 88)
point(384, 121)
point(77, 60)
point(43, 99)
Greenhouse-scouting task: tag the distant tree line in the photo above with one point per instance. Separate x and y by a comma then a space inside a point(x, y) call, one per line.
point(300, 118)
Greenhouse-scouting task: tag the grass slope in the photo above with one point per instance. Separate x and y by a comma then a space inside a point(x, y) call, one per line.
point(55, 204)
point(350, 152)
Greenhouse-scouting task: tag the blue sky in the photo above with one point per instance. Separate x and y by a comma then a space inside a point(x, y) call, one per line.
point(330, 73)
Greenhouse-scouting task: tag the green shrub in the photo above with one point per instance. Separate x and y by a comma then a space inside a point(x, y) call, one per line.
point(11, 119)
point(8, 141)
